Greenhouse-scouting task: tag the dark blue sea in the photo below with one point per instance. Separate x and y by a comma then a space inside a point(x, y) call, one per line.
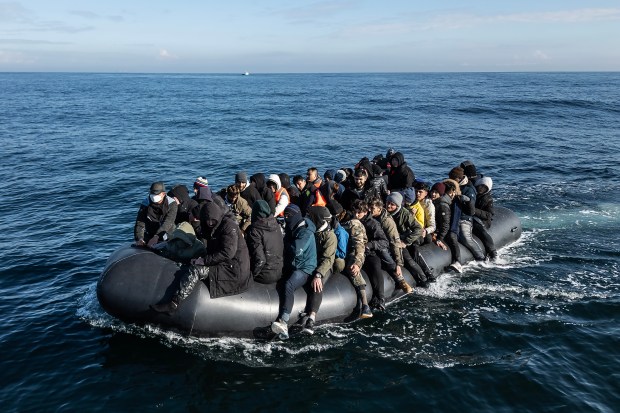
point(537, 331)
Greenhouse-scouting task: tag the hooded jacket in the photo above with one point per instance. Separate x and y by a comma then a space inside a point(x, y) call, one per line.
point(265, 244)
point(226, 253)
point(326, 240)
point(484, 202)
point(300, 246)
point(402, 176)
point(265, 193)
point(184, 203)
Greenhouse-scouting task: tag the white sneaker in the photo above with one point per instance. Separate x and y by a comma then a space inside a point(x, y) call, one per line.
point(280, 328)
point(456, 266)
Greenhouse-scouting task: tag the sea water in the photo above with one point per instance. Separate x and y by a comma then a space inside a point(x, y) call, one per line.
point(535, 331)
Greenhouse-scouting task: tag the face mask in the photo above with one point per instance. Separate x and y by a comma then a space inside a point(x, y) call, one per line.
point(156, 199)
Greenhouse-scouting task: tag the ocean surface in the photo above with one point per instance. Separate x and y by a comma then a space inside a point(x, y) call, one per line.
point(538, 331)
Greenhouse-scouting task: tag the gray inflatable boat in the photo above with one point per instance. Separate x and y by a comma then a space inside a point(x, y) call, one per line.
point(135, 278)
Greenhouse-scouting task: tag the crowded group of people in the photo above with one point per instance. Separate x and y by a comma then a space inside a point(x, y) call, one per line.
point(372, 218)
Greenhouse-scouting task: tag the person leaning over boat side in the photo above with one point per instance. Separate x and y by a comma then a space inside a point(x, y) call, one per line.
point(401, 176)
point(299, 263)
point(391, 231)
point(265, 244)
point(326, 246)
point(225, 263)
point(410, 232)
point(483, 216)
point(239, 207)
point(280, 194)
point(467, 202)
point(156, 216)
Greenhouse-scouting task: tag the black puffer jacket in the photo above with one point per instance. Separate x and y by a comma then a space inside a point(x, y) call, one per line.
point(484, 208)
point(402, 176)
point(266, 247)
point(226, 255)
point(442, 216)
point(377, 240)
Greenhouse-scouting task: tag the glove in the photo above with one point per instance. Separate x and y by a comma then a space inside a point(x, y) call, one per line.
point(197, 261)
point(152, 241)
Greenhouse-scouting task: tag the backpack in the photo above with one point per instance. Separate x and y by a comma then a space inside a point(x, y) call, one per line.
point(343, 239)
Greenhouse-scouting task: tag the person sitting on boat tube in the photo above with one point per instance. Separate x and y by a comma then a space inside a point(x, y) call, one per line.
point(467, 202)
point(225, 263)
point(156, 216)
point(326, 246)
point(410, 232)
point(299, 263)
point(265, 244)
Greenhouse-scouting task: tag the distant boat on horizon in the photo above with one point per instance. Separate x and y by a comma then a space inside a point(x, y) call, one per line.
point(246, 73)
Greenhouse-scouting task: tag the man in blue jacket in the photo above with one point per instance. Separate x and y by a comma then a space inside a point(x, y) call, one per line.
point(299, 261)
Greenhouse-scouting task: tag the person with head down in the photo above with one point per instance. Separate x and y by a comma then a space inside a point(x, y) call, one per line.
point(224, 264)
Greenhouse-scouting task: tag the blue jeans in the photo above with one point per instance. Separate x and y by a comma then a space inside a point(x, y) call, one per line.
point(297, 279)
point(466, 238)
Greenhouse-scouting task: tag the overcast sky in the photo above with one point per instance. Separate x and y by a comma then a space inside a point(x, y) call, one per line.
point(278, 36)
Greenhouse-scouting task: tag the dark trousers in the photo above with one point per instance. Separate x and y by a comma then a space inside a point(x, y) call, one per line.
point(315, 298)
point(414, 268)
point(452, 242)
point(481, 232)
point(372, 266)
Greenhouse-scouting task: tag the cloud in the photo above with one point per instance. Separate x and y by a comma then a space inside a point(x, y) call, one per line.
point(18, 19)
point(318, 10)
point(29, 42)
point(13, 12)
point(166, 55)
point(94, 16)
point(540, 55)
point(14, 58)
point(455, 21)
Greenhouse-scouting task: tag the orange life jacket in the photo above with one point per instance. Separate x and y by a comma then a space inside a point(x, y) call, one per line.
point(319, 199)
point(278, 195)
